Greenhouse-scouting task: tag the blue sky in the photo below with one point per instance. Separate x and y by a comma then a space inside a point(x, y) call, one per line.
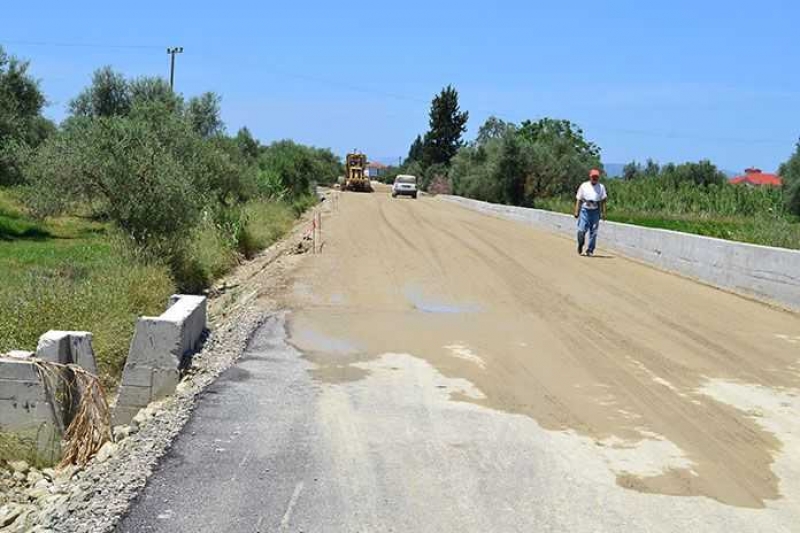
point(674, 80)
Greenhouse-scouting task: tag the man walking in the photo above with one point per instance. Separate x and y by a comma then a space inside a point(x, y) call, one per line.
point(590, 205)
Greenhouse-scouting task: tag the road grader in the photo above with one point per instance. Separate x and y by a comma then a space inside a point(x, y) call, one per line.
point(355, 177)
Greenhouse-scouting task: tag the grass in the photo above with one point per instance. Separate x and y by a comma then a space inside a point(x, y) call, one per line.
point(73, 273)
point(765, 229)
point(69, 274)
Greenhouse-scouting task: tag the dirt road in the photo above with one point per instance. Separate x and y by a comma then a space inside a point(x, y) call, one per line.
point(462, 372)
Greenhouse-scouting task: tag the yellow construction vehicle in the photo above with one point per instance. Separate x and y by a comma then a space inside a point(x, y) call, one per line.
point(355, 178)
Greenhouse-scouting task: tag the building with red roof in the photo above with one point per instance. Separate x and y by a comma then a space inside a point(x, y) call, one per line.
point(754, 177)
point(375, 169)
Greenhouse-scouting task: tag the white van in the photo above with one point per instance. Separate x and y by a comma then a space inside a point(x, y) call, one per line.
point(404, 184)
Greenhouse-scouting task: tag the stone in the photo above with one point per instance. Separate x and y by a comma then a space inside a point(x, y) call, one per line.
point(9, 513)
point(107, 451)
point(65, 473)
point(34, 476)
point(19, 476)
point(122, 432)
point(38, 494)
point(19, 466)
point(49, 473)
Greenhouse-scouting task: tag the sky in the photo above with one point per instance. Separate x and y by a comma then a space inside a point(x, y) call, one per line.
point(669, 80)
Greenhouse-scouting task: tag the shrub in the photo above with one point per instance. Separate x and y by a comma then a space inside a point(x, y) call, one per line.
point(790, 172)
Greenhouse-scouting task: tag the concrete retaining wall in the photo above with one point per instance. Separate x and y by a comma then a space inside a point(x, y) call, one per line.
point(157, 354)
point(771, 274)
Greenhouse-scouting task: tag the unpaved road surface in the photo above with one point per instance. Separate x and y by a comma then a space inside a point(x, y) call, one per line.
point(441, 370)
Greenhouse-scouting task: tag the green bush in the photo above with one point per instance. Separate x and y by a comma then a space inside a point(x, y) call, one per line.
point(790, 172)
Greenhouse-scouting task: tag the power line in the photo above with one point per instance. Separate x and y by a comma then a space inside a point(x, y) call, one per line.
point(56, 44)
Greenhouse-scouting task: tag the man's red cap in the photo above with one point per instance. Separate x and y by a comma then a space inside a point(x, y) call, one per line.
point(594, 173)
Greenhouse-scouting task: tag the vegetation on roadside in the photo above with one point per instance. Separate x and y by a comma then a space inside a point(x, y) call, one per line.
point(138, 194)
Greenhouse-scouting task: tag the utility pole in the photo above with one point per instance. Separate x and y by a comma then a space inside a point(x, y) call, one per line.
point(172, 51)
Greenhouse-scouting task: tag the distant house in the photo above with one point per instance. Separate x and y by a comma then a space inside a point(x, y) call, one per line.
point(375, 170)
point(753, 177)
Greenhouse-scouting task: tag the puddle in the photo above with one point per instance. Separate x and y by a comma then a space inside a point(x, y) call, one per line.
point(309, 340)
point(426, 304)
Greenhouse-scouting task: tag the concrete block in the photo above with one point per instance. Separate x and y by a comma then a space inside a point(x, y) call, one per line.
point(20, 354)
point(164, 382)
point(30, 405)
point(18, 370)
point(82, 351)
point(158, 353)
point(135, 396)
point(68, 347)
point(53, 346)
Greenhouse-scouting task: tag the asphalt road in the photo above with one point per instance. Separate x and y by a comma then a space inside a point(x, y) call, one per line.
point(441, 370)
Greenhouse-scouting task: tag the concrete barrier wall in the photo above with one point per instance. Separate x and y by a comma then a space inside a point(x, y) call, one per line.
point(157, 353)
point(771, 274)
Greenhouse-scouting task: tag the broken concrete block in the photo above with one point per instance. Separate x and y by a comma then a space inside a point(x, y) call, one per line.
point(158, 353)
point(68, 347)
point(53, 346)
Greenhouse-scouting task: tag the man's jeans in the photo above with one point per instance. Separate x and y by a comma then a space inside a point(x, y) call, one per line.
point(588, 220)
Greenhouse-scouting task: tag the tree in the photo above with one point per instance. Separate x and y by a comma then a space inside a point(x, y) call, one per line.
point(204, 114)
point(493, 128)
point(632, 171)
point(415, 152)
point(286, 170)
point(154, 89)
point(107, 96)
point(137, 171)
point(651, 169)
point(447, 125)
point(560, 157)
point(702, 173)
point(248, 145)
point(22, 127)
point(563, 135)
point(512, 170)
point(790, 173)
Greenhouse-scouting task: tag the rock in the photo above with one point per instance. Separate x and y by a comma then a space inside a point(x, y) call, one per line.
point(19, 476)
point(184, 386)
point(38, 493)
point(106, 452)
point(9, 513)
point(42, 484)
point(122, 432)
point(65, 473)
point(19, 466)
point(143, 416)
point(34, 476)
point(49, 473)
